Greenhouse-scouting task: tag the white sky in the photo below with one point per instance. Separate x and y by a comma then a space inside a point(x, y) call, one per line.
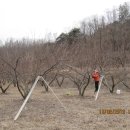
point(37, 18)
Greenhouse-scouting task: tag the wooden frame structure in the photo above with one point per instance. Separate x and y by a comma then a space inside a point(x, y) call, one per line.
point(30, 92)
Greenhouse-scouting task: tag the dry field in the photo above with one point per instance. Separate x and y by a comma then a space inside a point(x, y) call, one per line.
point(44, 112)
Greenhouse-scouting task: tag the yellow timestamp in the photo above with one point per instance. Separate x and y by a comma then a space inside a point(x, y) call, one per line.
point(114, 111)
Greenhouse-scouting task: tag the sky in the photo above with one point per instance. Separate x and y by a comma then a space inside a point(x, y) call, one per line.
point(38, 19)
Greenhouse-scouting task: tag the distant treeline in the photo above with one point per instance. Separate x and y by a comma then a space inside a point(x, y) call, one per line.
point(100, 41)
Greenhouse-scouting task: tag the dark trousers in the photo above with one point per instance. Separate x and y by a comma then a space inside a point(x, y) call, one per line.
point(96, 85)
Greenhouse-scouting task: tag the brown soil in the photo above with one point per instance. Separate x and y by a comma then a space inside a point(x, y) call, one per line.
point(44, 112)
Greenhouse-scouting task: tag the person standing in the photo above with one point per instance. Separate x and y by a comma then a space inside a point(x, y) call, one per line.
point(96, 77)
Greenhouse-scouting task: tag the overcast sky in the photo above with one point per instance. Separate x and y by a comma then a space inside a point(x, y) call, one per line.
point(37, 18)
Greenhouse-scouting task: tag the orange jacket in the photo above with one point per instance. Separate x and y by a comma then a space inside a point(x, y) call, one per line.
point(96, 76)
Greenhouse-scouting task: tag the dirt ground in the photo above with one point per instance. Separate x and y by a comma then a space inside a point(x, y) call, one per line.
point(44, 112)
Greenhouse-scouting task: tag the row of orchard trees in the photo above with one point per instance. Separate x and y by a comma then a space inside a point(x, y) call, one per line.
point(103, 42)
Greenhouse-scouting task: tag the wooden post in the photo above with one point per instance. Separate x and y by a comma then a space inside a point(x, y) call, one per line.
point(99, 87)
point(25, 101)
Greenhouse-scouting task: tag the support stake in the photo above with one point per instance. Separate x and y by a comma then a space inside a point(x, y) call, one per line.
point(99, 87)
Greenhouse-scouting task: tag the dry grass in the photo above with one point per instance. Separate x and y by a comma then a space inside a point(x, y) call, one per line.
point(43, 111)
